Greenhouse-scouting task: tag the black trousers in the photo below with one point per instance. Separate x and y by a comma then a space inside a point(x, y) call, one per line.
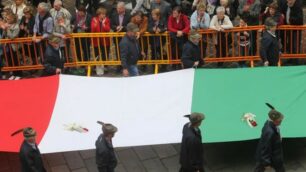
point(105, 169)
point(278, 168)
point(190, 170)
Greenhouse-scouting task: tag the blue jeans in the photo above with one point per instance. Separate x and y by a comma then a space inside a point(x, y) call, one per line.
point(133, 70)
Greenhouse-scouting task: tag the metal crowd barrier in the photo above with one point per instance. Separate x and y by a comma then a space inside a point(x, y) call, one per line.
point(94, 49)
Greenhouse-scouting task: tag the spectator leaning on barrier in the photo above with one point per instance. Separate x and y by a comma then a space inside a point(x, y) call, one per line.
point(191, 56)
point(243, 38)
point(43, 22)
point(156, 26)
point(220, 22)
point(53, 58)
point(120, 18)
point(179, 27)
point(269, 48)
point(81, 24)
point(269, 153)
point(100, 23)
point(106, 159)
point(11, 31)
point(130, 51)
point(200, 21)
point(61, 30)
point(192, 153)
point(26, 30)
point(230, 8)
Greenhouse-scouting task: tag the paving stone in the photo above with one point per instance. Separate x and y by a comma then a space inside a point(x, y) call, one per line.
point(61, 168)
point(130, 161)
point(74, 160)
point(164, 151)
point(177, 147)
point(80, 170)
point(172, 163)
point(88, 154)
point(145, 152)
point(154, 165)
point(120, 168)
point(55, 159)
point(91, 165)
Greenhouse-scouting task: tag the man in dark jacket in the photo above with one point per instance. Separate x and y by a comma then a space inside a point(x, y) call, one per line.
point(105, 156)
point(293, 12)
point(191, 157)
point(53, 58)
point(29, 153)
point(130, 51)
point(191, 55)
point(269, 152)
point(269, 50)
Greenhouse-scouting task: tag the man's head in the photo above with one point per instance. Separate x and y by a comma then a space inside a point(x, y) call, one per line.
point(270, 24)
point(43, 8)
point(201, 9)
point(275, 116)
point(131, 29)
point(57, 5)
point(290, 3)
point(196, 118)
point(54, 41)
point(194, 37)
point(224, 3)
point(121, 8)
point(220, 12)
point(29, 135)
point(109, 130)
point(158, 1)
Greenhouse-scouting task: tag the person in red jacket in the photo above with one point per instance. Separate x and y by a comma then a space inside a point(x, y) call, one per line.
point(178, 26)
point(101, 23)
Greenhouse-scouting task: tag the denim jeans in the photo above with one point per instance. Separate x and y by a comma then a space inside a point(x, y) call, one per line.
point(133, 70)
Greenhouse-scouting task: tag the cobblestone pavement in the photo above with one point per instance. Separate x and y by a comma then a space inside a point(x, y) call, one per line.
point(219, 157)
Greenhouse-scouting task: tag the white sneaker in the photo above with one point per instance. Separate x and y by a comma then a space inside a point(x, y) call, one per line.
point(100, 70)
point(12, 77)
point(17, 78)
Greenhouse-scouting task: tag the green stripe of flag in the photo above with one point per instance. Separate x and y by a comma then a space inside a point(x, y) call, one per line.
point(225, 94)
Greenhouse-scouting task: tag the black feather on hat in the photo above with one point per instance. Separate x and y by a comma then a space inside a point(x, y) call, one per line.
point(27, 132)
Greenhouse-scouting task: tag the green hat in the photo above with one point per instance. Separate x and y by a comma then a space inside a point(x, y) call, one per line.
point(195, 117)
point(29, 132)
point(54, 39)
point(194, 35)
point(131, 27)
point(108, 128)
point(274, 114)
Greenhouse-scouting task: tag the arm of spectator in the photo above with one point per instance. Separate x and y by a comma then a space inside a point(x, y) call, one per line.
point(144, 25)
point(186, 24)
point(106, 25)
point(93, 25)
point(227, 24)
point(213, 23)
point(14, 32)
point(137, 6)
point(49, 28)
point(170, 25)
point(36, 27)
point(194, 21)
point(113, 25)
point(297, 19)
point(207, 21)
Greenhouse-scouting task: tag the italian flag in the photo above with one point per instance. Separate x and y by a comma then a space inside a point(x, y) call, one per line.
point(149, 109)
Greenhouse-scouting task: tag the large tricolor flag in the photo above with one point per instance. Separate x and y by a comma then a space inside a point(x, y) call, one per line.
point(149, 109)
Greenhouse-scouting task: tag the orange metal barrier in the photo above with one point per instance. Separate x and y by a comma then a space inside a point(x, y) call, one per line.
point(92, 49)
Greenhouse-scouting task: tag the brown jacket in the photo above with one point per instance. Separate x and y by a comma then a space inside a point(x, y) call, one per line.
point(143, 25)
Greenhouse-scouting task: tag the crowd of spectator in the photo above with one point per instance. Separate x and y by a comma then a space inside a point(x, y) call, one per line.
point(41, 18)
